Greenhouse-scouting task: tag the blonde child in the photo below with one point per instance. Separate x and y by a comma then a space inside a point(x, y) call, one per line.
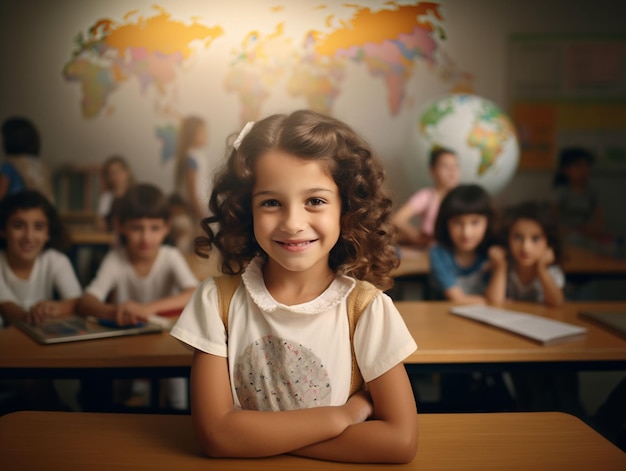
point(191, 178)
point(143, 276)
point(464, 231)
point(302, 214)
point(444, 171)
point(32, 269)
point(530, 272)
point(117, 177)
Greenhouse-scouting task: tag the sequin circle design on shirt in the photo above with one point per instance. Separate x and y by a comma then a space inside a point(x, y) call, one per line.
point(275, 374)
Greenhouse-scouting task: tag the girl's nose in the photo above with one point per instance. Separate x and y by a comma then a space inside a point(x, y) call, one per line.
point(294, 221)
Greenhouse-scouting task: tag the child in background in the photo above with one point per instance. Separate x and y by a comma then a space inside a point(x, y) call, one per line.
point(32, 269)
point(444, 171)
point(303, 214)
point(460, 272)
point(575, 199)
point(531, 272)
point(143, 275)
point(23, 169)
point(190, 198)
point(463, 232)
point(117, 177)
point(37, 282)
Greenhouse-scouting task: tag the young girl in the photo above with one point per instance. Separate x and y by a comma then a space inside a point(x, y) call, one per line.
point(444, 170)
point(32, 269)
point(531, 272)
point(463, 232)
point(117, 177)
point(23, 168)
point(302, 212)
point(575, 199)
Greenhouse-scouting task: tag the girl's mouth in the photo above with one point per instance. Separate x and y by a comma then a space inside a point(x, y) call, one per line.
point(295, 245)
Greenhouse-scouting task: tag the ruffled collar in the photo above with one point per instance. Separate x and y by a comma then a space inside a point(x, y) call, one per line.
point(255, 285)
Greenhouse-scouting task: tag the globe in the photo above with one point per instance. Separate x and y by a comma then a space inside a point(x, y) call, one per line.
point(482, 136)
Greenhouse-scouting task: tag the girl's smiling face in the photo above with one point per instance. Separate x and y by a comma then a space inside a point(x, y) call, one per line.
point(296, 209)
point(26, 234)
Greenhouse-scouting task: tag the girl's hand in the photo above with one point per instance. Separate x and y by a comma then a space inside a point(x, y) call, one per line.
point(548, 258)
point(41, 311)
point(359, 407)
point(497, 256)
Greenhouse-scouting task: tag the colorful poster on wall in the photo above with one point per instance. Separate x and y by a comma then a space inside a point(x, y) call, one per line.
point(569, 91)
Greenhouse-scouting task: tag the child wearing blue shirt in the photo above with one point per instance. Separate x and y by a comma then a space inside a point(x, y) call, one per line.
point(463, 231)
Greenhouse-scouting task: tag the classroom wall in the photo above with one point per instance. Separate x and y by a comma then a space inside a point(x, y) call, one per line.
point(37, 40)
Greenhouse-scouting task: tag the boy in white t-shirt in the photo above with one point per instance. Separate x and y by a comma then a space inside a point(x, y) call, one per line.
point(141, 277)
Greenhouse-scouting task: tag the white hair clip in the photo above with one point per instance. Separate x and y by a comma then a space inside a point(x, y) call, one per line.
point(244, 132)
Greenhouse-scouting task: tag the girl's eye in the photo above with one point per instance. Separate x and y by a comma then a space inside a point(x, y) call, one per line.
point(537, 238)
point(270, 203)
point(315, 202)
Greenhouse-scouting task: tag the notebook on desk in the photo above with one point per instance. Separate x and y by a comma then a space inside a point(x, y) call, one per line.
point(615, 321)
point(537, 328)
point(75, 328)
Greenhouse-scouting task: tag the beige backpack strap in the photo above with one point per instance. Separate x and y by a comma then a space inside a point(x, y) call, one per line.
point(226, 287)
point(358, 299)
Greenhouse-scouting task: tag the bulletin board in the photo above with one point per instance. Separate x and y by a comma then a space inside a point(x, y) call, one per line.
point(568, 91)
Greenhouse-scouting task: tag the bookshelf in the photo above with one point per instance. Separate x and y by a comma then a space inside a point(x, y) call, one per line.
point(76, 192)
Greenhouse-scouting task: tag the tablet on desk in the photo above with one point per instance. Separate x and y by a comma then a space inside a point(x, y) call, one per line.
point(75, 328)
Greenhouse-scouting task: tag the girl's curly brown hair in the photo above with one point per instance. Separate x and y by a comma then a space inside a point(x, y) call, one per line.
point(364, 250)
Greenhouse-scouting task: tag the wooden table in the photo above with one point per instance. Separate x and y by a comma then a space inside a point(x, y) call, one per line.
point(150, 355)
point(88, 235)
point(512, 441)
point(447, 340)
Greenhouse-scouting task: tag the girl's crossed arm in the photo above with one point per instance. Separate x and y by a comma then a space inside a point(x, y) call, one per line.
point(390, 437)
point(334, 433)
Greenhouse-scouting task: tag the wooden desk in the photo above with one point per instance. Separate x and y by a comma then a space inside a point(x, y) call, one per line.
point(152, 355)
point(444, 340)
point(585, 262)
point(88, 235)
point(448, 340)
point(413, 263)
point(512, 441)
